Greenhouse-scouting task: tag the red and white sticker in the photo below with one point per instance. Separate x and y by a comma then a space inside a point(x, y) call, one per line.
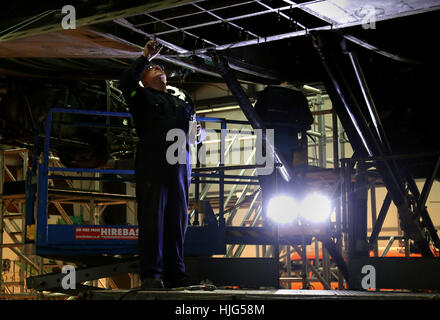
point(106, 233)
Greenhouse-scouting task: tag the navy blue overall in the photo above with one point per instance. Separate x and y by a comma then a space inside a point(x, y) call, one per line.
point(161, 188)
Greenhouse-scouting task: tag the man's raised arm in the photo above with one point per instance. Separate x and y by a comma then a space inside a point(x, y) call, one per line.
point(131, 77)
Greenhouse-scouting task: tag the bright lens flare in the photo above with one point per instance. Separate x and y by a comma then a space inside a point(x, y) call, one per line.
point(282, 209)
point(316, 207)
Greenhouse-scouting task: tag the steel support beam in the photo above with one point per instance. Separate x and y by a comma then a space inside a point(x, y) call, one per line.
point(428, 184)
point(311, 267)
point(249, 111)
point(332, 249)
point(421, 210)
point(380, 219)
point(373, 214)
point(181, 52)
point(348, 104)
point(357, 218)
point(385, 148)
point(369, 101)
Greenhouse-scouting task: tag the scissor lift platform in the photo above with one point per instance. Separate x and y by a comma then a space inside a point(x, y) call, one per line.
point(93, 245)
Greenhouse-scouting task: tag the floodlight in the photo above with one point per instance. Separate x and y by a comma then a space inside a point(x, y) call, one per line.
point(316, 207)
point(282, 209)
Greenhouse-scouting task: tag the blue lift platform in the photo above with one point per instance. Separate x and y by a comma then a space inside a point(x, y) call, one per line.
point(95, 246)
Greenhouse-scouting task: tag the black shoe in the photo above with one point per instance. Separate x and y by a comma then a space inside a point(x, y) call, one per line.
point(176, 281)
point(152, 284)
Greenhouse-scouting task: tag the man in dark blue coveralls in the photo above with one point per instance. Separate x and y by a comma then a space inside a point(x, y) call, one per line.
point(161, 188)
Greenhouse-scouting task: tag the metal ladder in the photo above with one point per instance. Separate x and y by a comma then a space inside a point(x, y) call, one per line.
point(14, 229)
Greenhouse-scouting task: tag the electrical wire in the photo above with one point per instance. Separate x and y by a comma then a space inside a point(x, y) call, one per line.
point(129, 292)
point(22, 22)
point(202, 286)
point(26, 22)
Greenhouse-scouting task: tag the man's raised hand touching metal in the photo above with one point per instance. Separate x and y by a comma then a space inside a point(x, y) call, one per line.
point(151, 49)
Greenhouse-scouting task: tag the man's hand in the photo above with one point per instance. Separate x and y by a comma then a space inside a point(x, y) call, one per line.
point(199, 129)
point(200, 134)
point(151, 49)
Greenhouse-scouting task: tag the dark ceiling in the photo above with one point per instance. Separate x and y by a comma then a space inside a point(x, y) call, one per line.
point(264, 41)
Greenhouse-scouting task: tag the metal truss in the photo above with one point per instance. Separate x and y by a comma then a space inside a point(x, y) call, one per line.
point(191, 18)
point(189, 29)
point(196, 28)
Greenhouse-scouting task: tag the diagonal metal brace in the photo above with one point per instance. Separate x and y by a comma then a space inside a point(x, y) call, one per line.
point(380, 220)
point(421, 210)
point(329, 244)
point(248, 110)
point(350, 107)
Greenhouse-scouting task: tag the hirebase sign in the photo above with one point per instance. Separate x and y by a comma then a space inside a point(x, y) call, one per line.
point(106, 233)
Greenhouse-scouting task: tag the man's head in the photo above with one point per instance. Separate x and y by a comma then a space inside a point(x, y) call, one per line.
point(154, 77)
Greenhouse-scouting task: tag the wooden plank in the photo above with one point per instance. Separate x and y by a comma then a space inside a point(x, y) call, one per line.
point(62, 212)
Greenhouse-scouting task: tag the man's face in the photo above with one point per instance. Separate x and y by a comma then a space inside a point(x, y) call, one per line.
point(153, 74)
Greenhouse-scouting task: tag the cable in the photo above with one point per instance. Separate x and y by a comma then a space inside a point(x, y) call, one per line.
point(129, 292)
point(26, 22)
point(203, 286)
point(22, 22)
